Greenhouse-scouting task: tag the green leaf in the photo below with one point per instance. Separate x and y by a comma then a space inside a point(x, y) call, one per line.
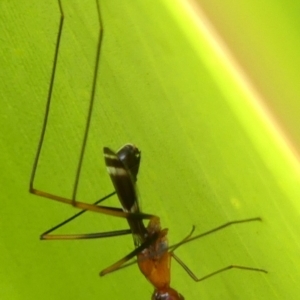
point(206, 91)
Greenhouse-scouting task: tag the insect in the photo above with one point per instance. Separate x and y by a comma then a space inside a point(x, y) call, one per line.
point(151, 243)
point(152, 252)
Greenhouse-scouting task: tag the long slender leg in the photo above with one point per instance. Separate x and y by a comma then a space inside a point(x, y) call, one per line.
point(193, 276)
point(118, 265)
point(48, 103)
point(46, 233)
point(92, 100)
point(47, 236)
point(189, 239)
point(185, 241)
point(112, 211)
point(85, 236)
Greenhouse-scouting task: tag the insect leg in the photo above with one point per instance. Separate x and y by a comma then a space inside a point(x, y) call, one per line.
point(92, 100)
point(49, 96)
point(189, 239)
point(47, 236)
point(47, 111)
point(48, 105)
point(194, 277)
point(84, 236)
point(120, 263)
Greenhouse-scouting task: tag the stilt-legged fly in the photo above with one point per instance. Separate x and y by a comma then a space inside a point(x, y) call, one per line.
point(152, 252)
point(151, 244)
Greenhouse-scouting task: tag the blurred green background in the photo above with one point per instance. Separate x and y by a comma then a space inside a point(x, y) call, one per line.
point(207, 90)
